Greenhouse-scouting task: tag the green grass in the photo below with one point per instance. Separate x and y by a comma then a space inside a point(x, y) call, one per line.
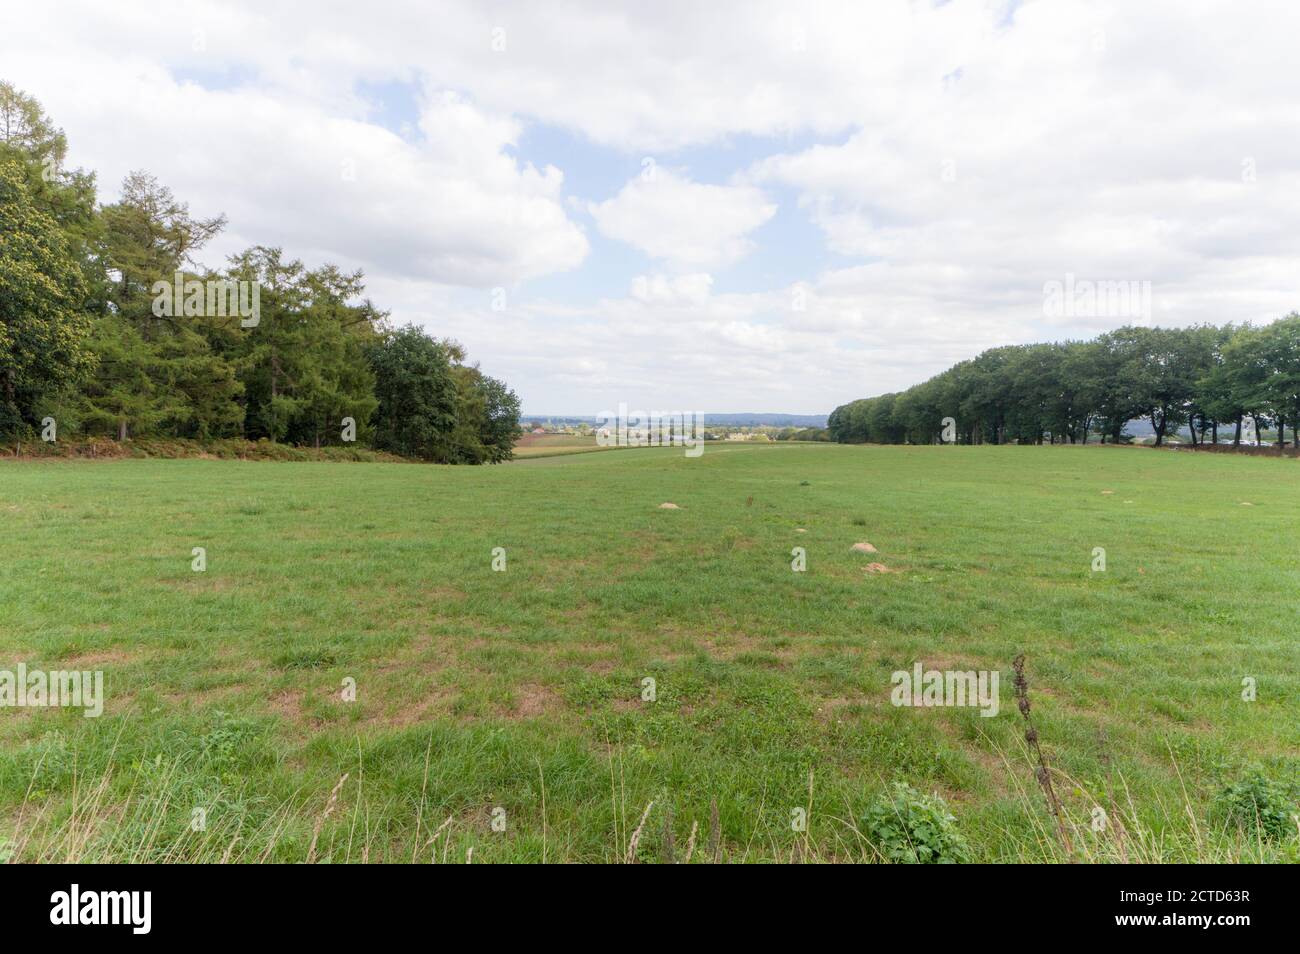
point(521, 689)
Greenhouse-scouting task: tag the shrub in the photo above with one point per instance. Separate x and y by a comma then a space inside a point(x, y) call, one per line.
point(907, 827)
point(1258, 805)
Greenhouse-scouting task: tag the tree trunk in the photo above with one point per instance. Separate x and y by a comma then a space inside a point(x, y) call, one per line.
point(121, 429)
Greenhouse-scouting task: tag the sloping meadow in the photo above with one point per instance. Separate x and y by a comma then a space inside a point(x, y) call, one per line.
point(539, 661)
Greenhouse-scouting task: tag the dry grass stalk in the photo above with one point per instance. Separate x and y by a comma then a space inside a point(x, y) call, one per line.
point(715, 832)
point(636, 834)
point(1043, 773)
point(669, 841)
point(321, 818)
point(434, 836)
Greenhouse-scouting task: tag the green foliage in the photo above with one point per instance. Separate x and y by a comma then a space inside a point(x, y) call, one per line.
point(907, 827)
point(85, 336)
point(498, 425)
point(157, 373)
point(29, 138)
point(1259, 806)
point(417, 395)
point(435, 408)
point(304, 365)
point(802, 434)
point(1201, 377)
point(43, 329)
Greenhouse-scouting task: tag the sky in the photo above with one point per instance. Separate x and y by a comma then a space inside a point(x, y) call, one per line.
point(712, 206)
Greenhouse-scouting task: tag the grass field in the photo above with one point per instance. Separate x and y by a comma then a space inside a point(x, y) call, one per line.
point(555, 445)
point(520, 692)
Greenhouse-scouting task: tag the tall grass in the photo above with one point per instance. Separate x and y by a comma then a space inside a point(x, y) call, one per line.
point(119, 816)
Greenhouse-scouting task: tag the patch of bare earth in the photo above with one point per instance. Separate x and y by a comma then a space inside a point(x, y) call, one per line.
point(532, 700)
point(92, 660)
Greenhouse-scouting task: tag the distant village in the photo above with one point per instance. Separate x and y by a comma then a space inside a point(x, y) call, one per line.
point(720, 432)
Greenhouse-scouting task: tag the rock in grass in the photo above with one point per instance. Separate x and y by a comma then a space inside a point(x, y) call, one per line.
point(878, 568)
point(863, 547)
point(669, 506)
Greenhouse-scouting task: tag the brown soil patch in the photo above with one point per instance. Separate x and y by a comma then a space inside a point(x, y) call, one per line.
point(90, 659)
point(288, 704)
point(532, 700)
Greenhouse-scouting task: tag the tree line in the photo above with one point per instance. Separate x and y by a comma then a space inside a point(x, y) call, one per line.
point(87, 338)
point(1204, 378)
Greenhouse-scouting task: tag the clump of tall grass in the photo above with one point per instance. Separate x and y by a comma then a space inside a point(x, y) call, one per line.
point(1111, 827)
point(141, 813)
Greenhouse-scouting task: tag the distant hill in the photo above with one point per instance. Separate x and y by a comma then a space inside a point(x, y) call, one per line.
point(769, 420)
point(725, 420)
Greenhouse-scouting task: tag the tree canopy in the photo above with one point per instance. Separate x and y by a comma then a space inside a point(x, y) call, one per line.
point(1201, 378)
point(109, 323)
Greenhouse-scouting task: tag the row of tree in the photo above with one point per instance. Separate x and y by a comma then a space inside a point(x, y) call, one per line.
point(83, 339)
point(1202, 378)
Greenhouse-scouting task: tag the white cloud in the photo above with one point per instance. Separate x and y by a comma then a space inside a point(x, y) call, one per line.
point(450, 206)
point(966, 157)
point(667, 290)
point(687, 224)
